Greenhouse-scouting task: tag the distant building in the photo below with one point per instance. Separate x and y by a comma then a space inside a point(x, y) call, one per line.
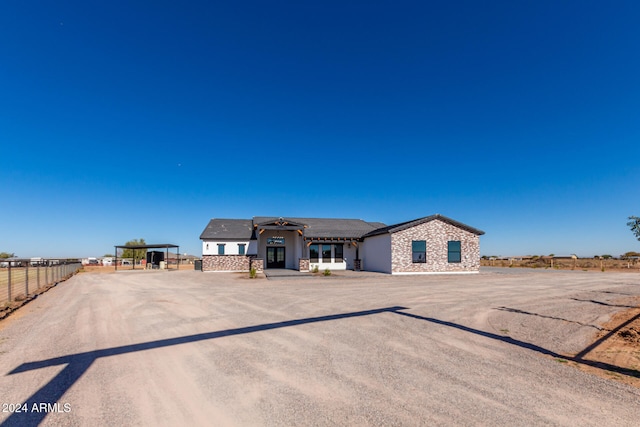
point(432, 244)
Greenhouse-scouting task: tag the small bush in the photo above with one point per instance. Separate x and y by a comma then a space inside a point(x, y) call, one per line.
point(252, 273)
point(327, 272)
point(314, 269)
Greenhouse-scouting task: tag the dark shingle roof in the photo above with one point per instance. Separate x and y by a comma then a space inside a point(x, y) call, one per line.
point(329, 227)
point(408, 224)
point(228, 229)
point(320, 227)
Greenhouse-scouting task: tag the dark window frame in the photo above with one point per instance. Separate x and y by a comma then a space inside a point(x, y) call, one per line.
point(418, 253)
point(454, 251)
point(317, 250)
point(323, 251)
point(335, 252)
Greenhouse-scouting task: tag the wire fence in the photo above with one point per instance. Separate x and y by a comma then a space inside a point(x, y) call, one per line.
point(20, 279)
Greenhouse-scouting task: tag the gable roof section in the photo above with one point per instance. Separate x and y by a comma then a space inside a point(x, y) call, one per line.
point(277, 222)
point(408, 224)
point(328, 227)
point(228, 229)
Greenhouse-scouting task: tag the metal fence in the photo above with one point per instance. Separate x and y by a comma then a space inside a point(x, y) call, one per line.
point(20, 279)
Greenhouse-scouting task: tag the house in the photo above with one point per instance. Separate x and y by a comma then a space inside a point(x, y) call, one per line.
point(432, 244)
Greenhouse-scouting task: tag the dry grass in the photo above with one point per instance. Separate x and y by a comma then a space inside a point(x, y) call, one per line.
point(585, 264)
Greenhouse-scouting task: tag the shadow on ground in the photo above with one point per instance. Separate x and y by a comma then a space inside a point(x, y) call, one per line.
point(77, 364)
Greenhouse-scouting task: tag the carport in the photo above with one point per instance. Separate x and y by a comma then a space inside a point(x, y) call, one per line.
point(165, 246)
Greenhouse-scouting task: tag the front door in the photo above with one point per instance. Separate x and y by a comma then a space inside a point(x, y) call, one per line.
point(275, 257)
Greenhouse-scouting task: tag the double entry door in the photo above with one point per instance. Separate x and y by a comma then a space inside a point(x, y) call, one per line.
point(275, 257)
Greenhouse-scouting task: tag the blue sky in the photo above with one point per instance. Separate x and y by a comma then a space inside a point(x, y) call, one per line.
point(144, 119)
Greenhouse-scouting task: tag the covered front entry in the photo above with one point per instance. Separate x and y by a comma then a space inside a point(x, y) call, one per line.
point(279, 243)
point(276, 257)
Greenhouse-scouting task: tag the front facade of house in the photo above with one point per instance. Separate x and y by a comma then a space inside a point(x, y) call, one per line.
point(433, 244)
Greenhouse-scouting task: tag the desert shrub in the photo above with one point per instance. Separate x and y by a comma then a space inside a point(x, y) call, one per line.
point(315, 268)
point(252, 273)
point(327, 272)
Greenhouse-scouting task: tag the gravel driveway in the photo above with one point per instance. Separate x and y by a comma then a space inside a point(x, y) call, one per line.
point(189, 348)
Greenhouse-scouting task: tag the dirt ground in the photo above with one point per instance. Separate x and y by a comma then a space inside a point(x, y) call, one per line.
point(618, 344)
point(361, 349)
point(112, 269)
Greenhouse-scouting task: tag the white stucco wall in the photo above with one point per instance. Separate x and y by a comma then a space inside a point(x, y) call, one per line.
point(349, 256)
point(375, 253)
point(210, 247)
point(292, 245)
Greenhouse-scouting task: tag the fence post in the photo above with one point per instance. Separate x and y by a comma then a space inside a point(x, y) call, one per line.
point(38, 276)
point(9, 282)
point(46, 275)
point(26, 281)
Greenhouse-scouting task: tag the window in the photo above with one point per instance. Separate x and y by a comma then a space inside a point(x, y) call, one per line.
point(454, 250)
point(241, 247)
point(326, 253)
point(220, 248)
point(338, 250)
point(313, 253)
point(419, 250)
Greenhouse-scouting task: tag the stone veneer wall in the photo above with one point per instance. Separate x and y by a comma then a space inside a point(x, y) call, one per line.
point(303, 264)
point(225, 263)
point(258, 264)
point(436, 233)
